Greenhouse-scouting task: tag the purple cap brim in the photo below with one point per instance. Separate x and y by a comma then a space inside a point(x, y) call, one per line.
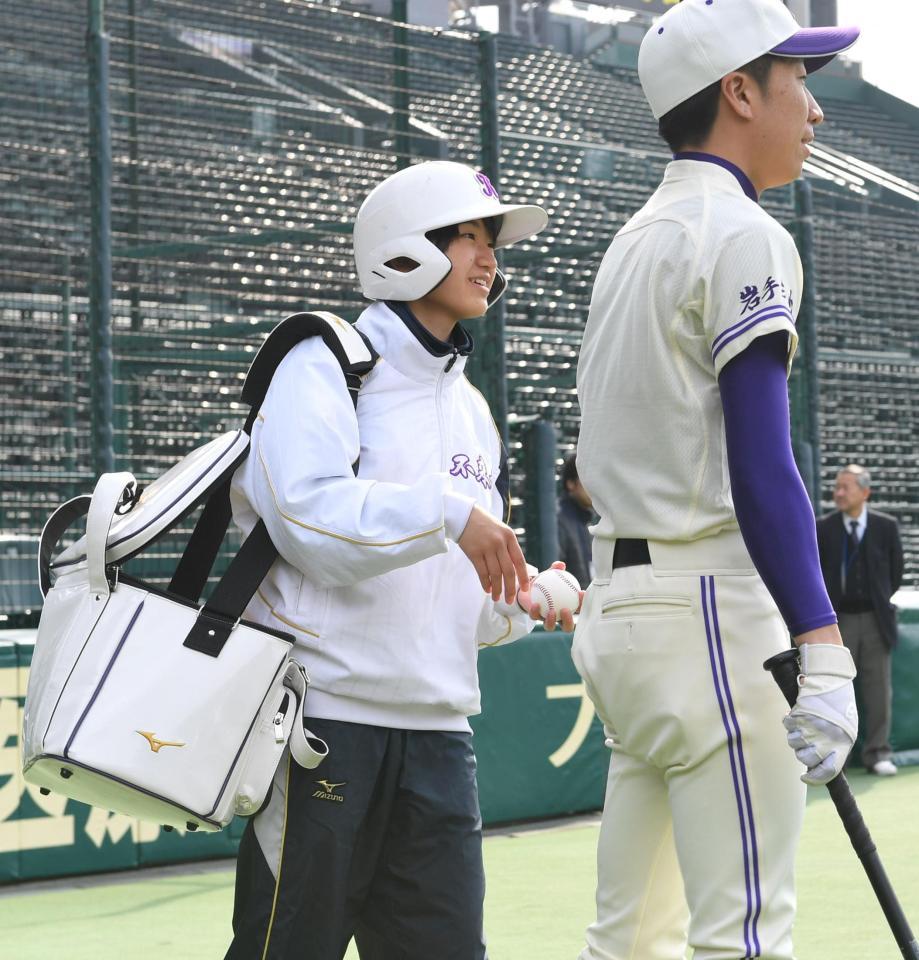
point(817, 46)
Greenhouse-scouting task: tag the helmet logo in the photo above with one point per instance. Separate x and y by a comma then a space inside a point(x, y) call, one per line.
point(485, 185)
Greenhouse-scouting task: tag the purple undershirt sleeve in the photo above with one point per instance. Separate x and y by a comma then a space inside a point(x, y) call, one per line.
point(772, 506)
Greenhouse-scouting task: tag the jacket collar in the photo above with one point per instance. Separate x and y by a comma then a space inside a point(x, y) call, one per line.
point(410, 348)
point(460, 340)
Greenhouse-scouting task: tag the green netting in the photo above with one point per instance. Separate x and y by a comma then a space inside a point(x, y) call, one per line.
point(244, 137)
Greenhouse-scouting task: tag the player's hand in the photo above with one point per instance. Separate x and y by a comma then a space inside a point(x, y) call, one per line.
point(493, 549)
point(553, 618)
point(823, 723)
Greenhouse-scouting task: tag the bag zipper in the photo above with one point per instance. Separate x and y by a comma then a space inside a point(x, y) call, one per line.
point(278, 720)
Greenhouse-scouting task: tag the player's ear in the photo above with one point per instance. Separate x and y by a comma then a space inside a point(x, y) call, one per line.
point(735, 91)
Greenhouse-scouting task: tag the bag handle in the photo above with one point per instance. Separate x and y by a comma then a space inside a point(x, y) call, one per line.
point(112, 491)
point(51, 533)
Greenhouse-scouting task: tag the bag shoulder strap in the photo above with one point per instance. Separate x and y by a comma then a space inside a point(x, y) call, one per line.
point(351, 348)
point(357, 357)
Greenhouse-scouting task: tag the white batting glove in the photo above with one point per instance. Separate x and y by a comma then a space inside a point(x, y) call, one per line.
point(823, 723)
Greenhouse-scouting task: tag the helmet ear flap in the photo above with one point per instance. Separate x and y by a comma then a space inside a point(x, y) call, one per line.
point(380, 274)
point(498, 286)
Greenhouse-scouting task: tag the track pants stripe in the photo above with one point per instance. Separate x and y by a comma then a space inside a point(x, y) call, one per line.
point(277, 881)
point(738, 767)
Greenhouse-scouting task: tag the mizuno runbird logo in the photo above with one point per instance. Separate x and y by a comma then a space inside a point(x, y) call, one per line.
point(155, 743)
point(328, 791)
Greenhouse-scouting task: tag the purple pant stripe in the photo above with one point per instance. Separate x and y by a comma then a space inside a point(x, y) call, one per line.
point(748, 800)
point(741, 813)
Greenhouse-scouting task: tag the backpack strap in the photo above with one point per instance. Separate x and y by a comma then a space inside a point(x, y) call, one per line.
point(357, 358)
point(351, 348)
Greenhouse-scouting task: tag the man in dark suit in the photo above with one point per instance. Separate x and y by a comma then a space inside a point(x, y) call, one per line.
point(862, 561)
point(575, 512)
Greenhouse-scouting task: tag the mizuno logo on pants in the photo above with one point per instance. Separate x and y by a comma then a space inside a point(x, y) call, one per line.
point(327, 791)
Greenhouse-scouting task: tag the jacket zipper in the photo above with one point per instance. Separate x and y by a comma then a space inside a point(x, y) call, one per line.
point(438, 397)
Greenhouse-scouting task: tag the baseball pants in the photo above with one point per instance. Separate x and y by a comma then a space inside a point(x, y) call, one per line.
point(704, 803)
point(382, 842)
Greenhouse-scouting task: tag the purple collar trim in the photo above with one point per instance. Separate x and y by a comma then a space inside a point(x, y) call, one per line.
point(745, 183)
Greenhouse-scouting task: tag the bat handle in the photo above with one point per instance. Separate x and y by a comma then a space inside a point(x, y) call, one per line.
point(785, 669)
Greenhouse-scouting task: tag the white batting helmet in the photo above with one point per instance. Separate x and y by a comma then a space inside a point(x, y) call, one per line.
point(393, 220)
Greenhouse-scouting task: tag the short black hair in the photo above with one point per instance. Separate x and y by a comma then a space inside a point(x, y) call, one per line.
point(689, 123)
point(569, 473)
point(441, 237)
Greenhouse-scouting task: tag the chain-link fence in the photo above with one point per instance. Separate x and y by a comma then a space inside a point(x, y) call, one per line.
point(243, 138)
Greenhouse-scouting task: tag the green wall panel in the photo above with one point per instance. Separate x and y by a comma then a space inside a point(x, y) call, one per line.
point(46, 836)
point(10, 779)
point(538, 742)
point(539, 747)
point(60, 837)
point(904, 733)
point(904, 728)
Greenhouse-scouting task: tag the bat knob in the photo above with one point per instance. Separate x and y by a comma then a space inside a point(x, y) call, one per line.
point(785, 668)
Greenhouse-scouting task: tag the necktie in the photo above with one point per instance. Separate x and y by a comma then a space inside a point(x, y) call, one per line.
point(851, 550)
point(853, 536)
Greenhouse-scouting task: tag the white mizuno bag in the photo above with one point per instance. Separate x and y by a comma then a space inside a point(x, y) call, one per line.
point(145, 701)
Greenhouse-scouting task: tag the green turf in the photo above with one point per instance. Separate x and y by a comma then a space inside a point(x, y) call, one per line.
point(838, 915)
point(540, 895)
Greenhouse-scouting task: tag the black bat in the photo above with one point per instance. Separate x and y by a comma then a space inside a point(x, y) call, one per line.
point(785, 668)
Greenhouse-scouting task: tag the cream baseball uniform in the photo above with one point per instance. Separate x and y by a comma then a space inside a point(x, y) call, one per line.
point(703, 804)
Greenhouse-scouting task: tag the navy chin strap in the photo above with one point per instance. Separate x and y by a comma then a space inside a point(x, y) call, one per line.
point(498, 286)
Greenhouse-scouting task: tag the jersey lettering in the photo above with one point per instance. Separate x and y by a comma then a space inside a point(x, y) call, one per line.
point(478, 471)
point(772, 290)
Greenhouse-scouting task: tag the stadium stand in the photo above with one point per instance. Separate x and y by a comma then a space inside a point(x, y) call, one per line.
point(243, 139)
point(865, 132)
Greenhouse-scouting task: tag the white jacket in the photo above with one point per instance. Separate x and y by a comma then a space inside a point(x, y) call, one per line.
point(387, 611)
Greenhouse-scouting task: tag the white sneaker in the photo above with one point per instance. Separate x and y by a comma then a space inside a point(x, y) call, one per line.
point(884, 768)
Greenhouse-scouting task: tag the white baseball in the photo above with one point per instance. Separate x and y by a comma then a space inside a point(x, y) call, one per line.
point(555, 590)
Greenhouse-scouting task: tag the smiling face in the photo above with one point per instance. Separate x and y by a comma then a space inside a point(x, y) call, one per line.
point(463, 294)
point(785, 115)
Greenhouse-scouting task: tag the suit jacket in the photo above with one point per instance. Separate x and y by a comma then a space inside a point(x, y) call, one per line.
point(884, 560)
point(574, 544)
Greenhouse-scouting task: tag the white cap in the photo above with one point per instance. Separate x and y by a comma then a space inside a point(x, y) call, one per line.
point(698, 42)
